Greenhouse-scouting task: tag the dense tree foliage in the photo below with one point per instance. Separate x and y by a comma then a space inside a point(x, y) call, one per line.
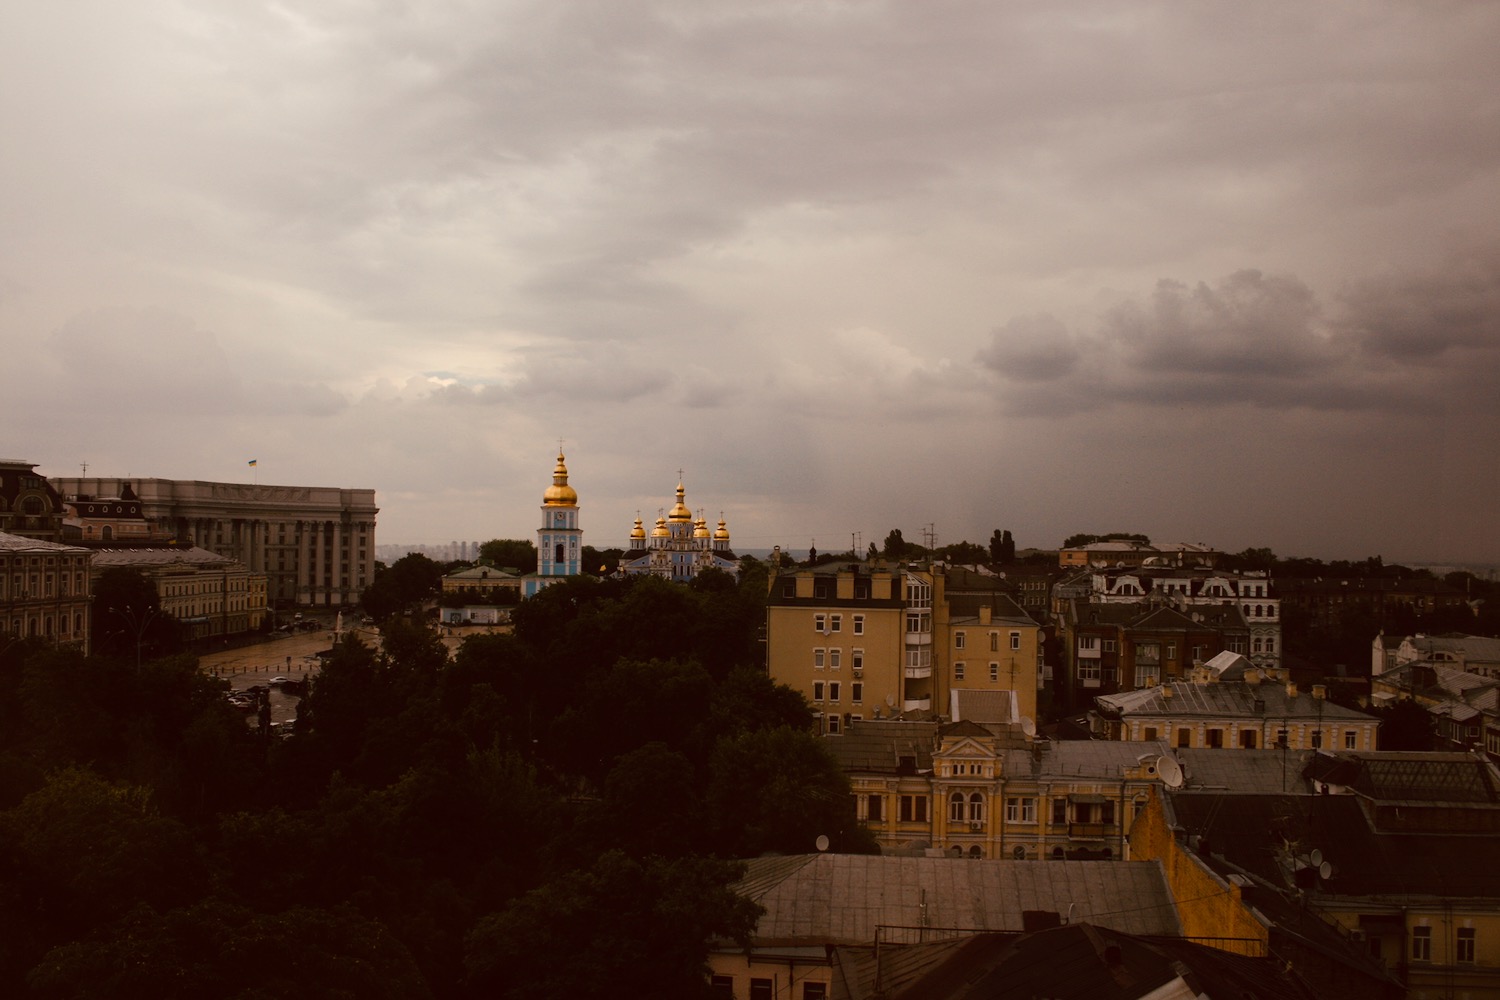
point(553, 811)
point(402, 586)
point(515, 555)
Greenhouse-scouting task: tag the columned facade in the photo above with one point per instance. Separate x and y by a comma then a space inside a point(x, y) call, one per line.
point(315, 545)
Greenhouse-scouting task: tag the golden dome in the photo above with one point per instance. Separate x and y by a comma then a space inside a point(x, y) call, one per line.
point(700, 528)
point(637, 533)
point(723, 533)
point(680, 511)
point(560, 494)
point(660, 531)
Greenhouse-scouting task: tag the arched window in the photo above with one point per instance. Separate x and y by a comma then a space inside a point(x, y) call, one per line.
point(976, 808)
point(1058, 854)
point(975, 852)
point(558, 557)
point(1018, 852)
point(956, 807)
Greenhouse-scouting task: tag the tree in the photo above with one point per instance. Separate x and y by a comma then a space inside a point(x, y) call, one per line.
point(779, 790)
point(127, 615)
point(410, 580)
point(1405, 725)
point(600, 562)
point(516, 554)
point(895, 545)
point(621, 927)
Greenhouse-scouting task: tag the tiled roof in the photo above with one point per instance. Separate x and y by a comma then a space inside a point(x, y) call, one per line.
point(842, 898)
point(1228, 699)
point(1080, 758)
point(20, 543)
point(878, 745)
point(1244, 771)
point(190, 555)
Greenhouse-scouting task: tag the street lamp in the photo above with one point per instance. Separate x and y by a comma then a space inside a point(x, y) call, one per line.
point(138, 624)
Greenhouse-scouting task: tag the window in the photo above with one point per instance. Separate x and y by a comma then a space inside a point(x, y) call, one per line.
point(1020, 810)
point(1184, 737)
point(833, 690)
point(874, 806)
point(817, 690)
point(1421, 944)
point(994, 642)
point(818, 655)
point(1351, 739)
point(1088, 642)
point(761, 989)
point(994, 672)
point(834, 722)
point(1109, 645)
point(814, 991)
point(1171, 651)
point(1015, 640)
point(913, 808)
point(818, 622)
point(857, 692)
point(1216, 738)
point(1059, 812)
point(1247, 739)
point(834, 655)
point(1148, 733)
point(838, 622)
point(1281, 738)
point(919, 621)
point(721, 987)
point(956, 807)
point(976, 808)
point(1317, 739)
point(859, 624)
point(857, 659)
point(958, 640)
point(958, 671)
point(1463, 950)
point(1107, 812)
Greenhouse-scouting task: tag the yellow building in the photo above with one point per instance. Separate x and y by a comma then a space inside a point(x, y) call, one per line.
point(209, 594)
point(483, 585)
point(877, 641)
point(992, 791)
point(836, 633)
point(44, 591)
point(1397, 854)
point(1237, 707)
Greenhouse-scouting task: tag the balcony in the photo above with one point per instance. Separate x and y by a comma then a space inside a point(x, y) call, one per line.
point(917, 704)
point(1091, 831)
point(917, 673)
point(919, 638)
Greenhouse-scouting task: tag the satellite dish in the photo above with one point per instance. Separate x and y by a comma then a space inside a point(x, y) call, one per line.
point(1170, 771)
point(890, 701)
point(1316, 857)
point(1325, 870)
point(822, 842)
point(1028, 725)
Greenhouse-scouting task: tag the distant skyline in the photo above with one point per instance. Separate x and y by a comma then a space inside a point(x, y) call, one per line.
point(1221, 274)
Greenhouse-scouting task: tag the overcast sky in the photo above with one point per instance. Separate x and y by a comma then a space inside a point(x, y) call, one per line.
point(1222, 273)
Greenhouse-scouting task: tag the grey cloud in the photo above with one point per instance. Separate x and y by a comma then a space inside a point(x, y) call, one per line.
point(1423, 318)
point(1031, 349)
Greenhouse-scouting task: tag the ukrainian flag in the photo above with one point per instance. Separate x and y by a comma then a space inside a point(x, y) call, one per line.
point(252, 461)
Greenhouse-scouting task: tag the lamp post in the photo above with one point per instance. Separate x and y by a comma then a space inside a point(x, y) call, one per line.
point(138, 623)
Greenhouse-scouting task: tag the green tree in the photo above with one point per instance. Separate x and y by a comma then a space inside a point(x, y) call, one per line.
point(516, 554)
point(127, 617)
point(779, 790)
point(1405, 725)
point(622, 927)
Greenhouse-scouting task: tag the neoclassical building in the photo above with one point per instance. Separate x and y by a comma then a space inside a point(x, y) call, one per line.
point(559, 541)
point(680, 546)
point(44, 591)
point(315, 545)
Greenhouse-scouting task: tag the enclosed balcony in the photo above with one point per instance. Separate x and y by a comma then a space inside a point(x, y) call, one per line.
point(922, 704)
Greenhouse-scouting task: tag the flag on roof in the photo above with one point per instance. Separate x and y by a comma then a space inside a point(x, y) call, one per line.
point(252, 461)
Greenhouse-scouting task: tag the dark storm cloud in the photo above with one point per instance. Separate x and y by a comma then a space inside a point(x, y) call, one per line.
point(1263, 340)
point(1424, 318)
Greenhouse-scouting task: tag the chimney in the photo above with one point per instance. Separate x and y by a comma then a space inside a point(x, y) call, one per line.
point(1252, 677)
point(984, 614)
point(1320, 691)
point(1166, 691)
point(1291, 688)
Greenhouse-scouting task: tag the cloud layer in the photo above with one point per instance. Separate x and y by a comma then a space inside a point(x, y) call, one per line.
point(1227, 275)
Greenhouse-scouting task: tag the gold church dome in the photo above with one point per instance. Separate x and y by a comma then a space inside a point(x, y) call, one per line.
point(638, 533)
point(700, 528)
point(560, 494)
point(722, 534)
point(679, 510)
point(660, 531)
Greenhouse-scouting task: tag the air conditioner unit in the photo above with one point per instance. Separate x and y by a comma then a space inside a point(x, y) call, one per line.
point(976, 826)
point(858, 674)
